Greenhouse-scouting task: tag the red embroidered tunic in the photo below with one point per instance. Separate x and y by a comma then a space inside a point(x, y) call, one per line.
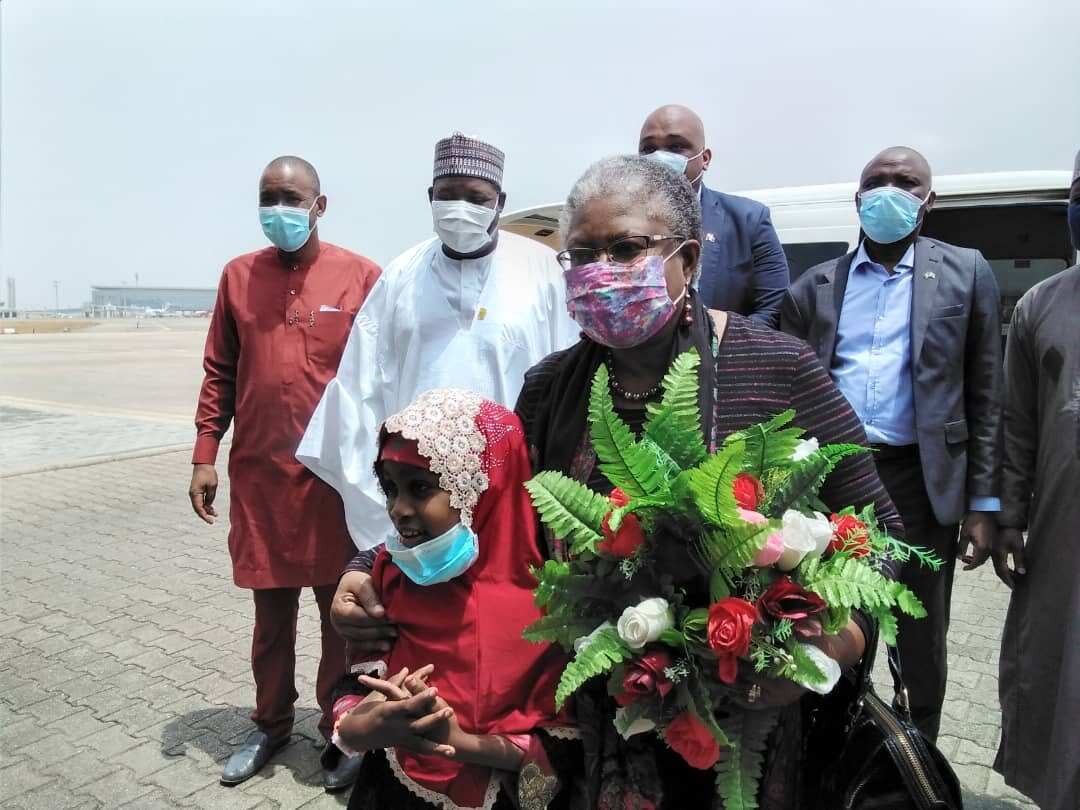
point(277, 334)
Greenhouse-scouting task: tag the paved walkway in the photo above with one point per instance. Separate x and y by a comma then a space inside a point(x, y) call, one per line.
point(124, 650)
point(111, 389)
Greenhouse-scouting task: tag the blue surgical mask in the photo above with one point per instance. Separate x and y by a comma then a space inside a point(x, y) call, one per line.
point(889, 214)
point(676, 162)
point(1074, 224)
point(438, 560)
point(286, 227)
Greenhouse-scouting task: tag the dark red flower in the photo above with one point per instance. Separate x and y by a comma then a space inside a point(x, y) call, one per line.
point(625, 541)
point(849, 534)
point(785, 599)
point(749, 493)
point(690, 739)
point(644, 677)
point(730, 623)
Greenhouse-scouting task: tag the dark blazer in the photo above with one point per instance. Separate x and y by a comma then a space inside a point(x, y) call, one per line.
point(955, 357)
point(743, 267)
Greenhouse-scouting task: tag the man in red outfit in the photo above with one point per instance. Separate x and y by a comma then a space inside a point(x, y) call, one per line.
point(279, 327)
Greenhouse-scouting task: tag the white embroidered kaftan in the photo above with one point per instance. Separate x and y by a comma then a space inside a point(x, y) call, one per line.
point(432, 322)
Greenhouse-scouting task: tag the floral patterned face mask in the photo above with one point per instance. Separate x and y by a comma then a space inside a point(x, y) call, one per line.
point(620, 305)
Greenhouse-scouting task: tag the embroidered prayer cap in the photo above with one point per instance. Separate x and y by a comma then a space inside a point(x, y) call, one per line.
point(463, 156)
point(443, 423)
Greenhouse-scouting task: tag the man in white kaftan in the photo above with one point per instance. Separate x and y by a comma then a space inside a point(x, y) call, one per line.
point(473, 308)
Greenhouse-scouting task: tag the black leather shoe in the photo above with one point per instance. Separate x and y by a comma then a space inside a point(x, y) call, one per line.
point(339, 771)
point(248, 759)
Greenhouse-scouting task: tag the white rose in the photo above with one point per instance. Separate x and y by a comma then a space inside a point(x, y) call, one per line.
point(639, 725)
point(583, 642)
point(644, 623)
point(822, 531)
point(829, 667)
point(805, 449)
point(803, 537)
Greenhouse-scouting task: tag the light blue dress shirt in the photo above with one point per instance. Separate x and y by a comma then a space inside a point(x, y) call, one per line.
point(872, 363)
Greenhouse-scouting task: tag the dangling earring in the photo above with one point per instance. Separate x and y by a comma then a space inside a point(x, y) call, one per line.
point(687, 313)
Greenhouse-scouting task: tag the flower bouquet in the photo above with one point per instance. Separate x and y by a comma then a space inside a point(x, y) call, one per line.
point(697, 561)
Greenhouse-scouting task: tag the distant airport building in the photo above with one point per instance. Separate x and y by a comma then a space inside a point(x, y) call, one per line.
point(106, 302)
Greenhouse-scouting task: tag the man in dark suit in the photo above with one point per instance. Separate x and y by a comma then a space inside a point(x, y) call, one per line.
point(909, 329)
point(743, 267)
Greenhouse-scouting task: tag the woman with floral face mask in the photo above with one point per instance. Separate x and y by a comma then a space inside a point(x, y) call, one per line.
point(631, 231)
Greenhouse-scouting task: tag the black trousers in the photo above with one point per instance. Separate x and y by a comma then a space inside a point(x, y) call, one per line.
point(922, 642)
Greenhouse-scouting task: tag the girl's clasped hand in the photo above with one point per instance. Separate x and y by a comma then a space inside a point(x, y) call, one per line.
point(403, 711)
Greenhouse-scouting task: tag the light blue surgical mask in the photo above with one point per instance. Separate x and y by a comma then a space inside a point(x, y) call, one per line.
point(287, 227)
point(440, 559)
point(889, 214)
point(676, 162)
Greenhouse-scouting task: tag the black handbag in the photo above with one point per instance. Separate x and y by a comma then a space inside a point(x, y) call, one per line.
point(884, 761)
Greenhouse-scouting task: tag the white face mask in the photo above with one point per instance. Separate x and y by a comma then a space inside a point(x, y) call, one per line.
point(462, 226)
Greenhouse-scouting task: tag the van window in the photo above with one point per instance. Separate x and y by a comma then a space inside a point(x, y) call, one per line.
point(1023, 242)
point(801, 256)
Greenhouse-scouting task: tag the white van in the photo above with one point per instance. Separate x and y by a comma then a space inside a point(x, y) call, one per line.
point(1017, 220)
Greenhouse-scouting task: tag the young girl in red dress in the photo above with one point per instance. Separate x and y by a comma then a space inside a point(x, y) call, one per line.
point(467, 717)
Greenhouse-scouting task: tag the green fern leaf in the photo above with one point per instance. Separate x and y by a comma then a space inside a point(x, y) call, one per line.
point(733, 548)
point(738, 773)
point(802, 668)
point(674, 423)
point(561, 629)
point(850, 583)
point(597, 658)
point(719, 587)
point(910, 603)
point(694, 693)
point(836, 453)
point(711, 483)
point(887, 625)
point(577, 589)
point(573, 512)
point(768, 444)
point(835, 619)
point(800, 488)
point(624, 462)
point(783, 630)
point(549, 581)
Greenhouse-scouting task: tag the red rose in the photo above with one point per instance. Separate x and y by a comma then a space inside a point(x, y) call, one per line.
point(625, 541)
point(749, 493)
point(689, 738)
point(730, 622)
point(849, 534)
point(645, 676)
point(785, 599)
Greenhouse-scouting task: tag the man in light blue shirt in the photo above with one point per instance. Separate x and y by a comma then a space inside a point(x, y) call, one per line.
point(909, 328)
point(872, 362)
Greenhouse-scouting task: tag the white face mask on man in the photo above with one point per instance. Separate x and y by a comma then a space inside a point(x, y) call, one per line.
point(462, 226)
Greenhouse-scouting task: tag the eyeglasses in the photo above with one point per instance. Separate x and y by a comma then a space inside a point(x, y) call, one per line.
point(622, 251)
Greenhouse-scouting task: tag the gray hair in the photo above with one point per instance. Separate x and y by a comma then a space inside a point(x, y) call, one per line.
point(638, 182)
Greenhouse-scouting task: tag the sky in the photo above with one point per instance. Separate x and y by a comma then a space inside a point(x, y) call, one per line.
point(132, 134)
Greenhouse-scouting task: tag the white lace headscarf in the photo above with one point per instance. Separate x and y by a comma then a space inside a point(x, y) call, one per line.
point(443, 423)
